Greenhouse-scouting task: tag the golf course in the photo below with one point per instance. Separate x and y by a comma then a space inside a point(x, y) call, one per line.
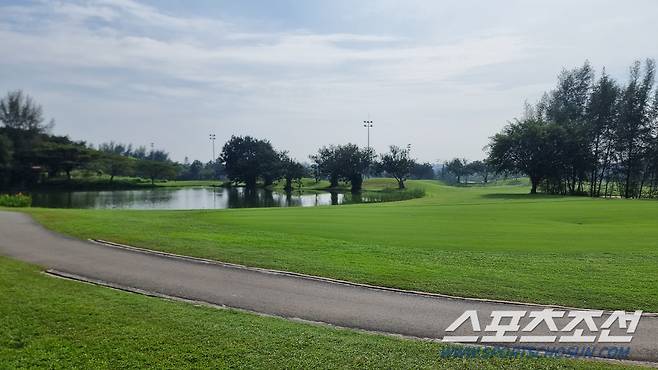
point(58, 323)
point(493, 241)
point(328, 185)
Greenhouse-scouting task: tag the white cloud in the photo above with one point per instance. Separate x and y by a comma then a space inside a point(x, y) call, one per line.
point(138, 65)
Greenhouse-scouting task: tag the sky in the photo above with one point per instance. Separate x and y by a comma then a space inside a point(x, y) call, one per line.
point(442, 76)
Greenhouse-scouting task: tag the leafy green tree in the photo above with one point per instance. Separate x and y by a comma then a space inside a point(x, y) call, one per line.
point(62, 156)
point(18, 111)
point(601, 115)
point(526, 147)
point(158, 155)
point(344, 162)
point(423, 171)
point(398, 163)
point(271, 168)
point(6, 152)
point(328, 164)
point(116, 148)
point(567, 107)
point(195, 170)
point(291, 171)
point(6, 157)
point(156, 170)
point(247, 159)
point(589, 133)
point(117, 165)
point(634, 129)
point(354, 162)
point(480, 168)
point(457, 167)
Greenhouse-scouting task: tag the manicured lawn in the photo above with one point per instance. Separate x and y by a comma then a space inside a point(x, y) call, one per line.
point(53, 323)
point(489, 242)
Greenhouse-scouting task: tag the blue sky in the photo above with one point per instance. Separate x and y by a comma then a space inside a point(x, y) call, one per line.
point(442, 76)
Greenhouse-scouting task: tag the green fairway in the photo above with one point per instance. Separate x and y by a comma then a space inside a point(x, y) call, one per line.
point(488, 242)
point(54, 323)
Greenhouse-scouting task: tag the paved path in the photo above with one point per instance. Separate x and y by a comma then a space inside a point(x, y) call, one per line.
point(281, 294)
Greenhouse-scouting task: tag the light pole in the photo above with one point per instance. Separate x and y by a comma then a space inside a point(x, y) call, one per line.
point(212, 160)
point(368, 124)
point(212, 139)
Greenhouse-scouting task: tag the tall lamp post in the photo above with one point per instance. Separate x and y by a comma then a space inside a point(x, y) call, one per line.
point(368, 124)
point(212, 160)
point(212, 139)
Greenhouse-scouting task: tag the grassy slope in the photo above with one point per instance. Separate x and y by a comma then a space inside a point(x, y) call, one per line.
point(48, 322)
point(492, 242)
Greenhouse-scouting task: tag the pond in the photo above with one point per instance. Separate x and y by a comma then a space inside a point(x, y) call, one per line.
point(192, 198)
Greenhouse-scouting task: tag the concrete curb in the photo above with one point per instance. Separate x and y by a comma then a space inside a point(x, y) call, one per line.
point(123, 288)
point(336, 281)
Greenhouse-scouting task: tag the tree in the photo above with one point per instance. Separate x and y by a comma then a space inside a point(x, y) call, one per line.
point(117, 165)
point(139, 152)
point(423, 171)
point(633, 130)
point(601, 115)
point(583, 134)
point(457, 167)
point(398, 164)
point(354, 162)
point(195, 170)
point(246, 159)
point(6, 157)
point(19, 112)
point(116, 148)
point(524, 146)
point(479, 168)
point(156, 170)
point(566, 107)
point(328, 164)
point(158, 155)
point(343, 162)
point(291, 171)
point(568, 102)
point(62, 156)
point(271, 168)
point(6, 151)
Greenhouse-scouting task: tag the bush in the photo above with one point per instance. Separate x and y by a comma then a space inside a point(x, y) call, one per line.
point(18, 200)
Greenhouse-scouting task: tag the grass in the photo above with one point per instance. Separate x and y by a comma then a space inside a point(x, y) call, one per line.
point(55, 323)
point(485, 241)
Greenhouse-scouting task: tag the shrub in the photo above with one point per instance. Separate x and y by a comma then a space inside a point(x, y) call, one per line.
point(17, 200)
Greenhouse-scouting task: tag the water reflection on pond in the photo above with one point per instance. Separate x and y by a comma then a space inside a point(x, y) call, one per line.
point(191, 198)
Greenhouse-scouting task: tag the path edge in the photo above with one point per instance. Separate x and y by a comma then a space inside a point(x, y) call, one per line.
point(127, 289)
point(338, 281)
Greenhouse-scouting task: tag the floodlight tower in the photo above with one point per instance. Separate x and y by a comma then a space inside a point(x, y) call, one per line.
point(368, 124)
point(212, 139)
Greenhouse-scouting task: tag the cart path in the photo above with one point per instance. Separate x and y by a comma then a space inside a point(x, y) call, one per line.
point(281, 294)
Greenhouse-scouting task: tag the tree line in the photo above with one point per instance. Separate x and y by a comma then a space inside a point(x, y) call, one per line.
point(459, 169)
point(30, 156)
point(248, 160)
point(588, 136)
